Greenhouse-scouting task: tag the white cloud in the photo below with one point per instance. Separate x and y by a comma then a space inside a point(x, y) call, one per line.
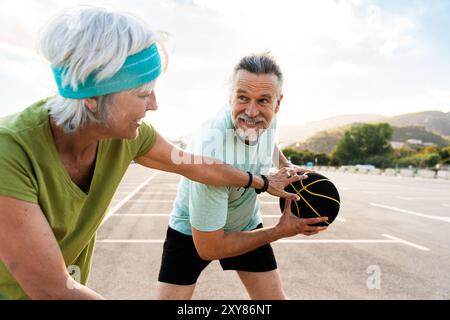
point(341, 68)
point(434, 99)
point(341, 56)
point(24, 79)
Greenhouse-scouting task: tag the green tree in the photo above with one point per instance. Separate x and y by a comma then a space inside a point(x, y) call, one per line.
point(322, 159)
point(293, 155)
point(444, 155)
point(364, 143)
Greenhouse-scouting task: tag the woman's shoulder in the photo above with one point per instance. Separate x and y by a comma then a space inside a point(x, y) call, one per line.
point(32, 117)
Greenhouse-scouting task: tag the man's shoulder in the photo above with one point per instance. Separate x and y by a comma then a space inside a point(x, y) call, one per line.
point(211, 132)
point(220, 121)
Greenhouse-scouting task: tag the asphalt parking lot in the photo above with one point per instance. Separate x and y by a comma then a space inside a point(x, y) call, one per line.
point(391, 241)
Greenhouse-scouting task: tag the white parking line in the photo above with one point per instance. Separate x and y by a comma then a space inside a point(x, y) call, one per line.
point(279, 241)
point(430, 198)
point(129, 241)
point(406, 242)
point(150, 200)
point(149, 215)
point(127, 198)
point(445, 219)
point(157, 192)
point(141, 215)
point(318, 241)
point(406, 198)
point(337, 241)
point(279, 215)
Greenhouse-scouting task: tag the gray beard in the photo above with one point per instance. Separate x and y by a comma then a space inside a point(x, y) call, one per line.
point(250, 139)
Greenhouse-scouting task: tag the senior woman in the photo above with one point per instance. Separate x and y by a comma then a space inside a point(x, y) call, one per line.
point(62, 158)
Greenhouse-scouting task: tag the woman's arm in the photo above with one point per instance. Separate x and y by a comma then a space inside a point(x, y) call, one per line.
point(32, 255)
point(168, 157)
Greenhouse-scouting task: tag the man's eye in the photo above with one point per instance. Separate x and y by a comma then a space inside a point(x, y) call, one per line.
point(242, 98)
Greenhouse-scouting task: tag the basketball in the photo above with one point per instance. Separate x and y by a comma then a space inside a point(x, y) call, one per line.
point(318, 198)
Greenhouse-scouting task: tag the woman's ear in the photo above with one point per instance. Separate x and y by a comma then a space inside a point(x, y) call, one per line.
point(91, 104)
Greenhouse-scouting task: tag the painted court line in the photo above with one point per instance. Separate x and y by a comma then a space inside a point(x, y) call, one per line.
point(430, 198)
point(141, 215)
point(278, 215)
point(130, 241)
point(150, 200)
point(406, 198)
point(331, 241)
point(445, 219)
point(149, 215)
point(166, 201)
point(157, 192)
point(127, 198)
point(337, 241)
point(406, 242)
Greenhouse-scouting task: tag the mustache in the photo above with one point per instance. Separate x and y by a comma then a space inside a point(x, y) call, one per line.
point(244, 117)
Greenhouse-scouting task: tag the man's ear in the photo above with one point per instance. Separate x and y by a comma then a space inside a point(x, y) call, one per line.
point(91, 104)
point(277, 107)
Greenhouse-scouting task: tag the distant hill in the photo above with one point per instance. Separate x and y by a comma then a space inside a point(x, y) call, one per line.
point(404, 133)
point(291, 134)
point(434, 121)
point(325, 141)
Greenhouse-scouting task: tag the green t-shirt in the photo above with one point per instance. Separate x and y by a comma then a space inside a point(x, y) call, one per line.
point(31, 170)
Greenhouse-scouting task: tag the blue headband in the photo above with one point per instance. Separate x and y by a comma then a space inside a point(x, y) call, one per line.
point(138, 69)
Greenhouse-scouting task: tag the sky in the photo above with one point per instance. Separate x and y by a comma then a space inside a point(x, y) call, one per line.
point(338, 56)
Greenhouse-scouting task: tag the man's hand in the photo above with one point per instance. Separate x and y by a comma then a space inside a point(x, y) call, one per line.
point(283, 177)
point(290, 165)
point(289, 225)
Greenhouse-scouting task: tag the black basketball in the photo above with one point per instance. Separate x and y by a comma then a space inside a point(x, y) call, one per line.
point(318, 198)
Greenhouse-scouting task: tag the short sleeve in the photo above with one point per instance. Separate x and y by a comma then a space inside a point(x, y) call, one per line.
point(145, 140)
point(208, 206)
point(16, 172)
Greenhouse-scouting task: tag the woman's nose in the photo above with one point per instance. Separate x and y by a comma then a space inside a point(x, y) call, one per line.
point(153, 104)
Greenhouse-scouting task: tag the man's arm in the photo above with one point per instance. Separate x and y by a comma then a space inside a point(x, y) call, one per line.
point(280, 159)
point(168, 157)
point(219, 244)
point(32, 255)
point(283, 162)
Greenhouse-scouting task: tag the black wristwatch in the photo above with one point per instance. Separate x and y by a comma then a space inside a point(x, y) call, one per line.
point(265, 187)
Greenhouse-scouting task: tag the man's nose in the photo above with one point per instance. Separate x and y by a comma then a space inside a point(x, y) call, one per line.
point(153, 104)
point(252, 109)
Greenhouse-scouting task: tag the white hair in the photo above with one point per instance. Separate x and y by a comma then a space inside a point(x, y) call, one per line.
point(86, 40)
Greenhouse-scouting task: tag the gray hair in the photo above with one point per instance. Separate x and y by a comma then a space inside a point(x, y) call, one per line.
point(260, 63)
point(86, 40)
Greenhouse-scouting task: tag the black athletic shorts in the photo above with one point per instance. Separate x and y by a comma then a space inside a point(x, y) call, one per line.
point(181, 264)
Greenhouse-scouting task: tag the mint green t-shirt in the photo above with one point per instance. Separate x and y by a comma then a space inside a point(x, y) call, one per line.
point(210, 208)
point(31, 170)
